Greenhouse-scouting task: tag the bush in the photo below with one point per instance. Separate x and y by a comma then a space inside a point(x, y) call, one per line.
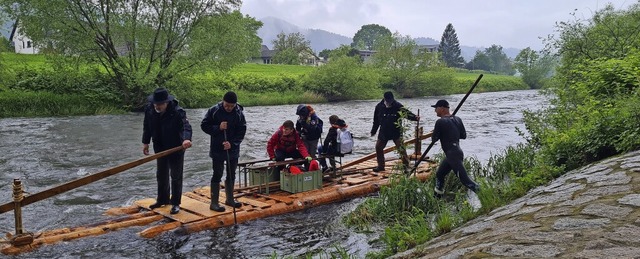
point(344, 78)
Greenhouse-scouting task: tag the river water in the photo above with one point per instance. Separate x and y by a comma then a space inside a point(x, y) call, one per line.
point(47, 152)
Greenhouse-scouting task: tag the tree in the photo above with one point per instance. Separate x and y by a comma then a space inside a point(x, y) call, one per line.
point(533, 67)
point(141, 44)
point(291, 48)
point(325, 54)
point(450, 48)
point(499, 60)
point(480, 61)
point(369, 35)
point(402, 62)
point(492, 59)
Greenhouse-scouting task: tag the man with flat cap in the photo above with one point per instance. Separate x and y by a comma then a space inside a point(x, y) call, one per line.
point(449, 130)
point(165, 122)
point(226, 125)
point(387, 117)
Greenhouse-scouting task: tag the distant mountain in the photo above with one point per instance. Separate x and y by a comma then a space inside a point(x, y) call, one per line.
point(321, 39)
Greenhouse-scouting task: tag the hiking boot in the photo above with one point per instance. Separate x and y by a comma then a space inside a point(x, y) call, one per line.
point(175, 209)
point(156, 205)
point(216, 207)
point(438, 193)
point(378, 169)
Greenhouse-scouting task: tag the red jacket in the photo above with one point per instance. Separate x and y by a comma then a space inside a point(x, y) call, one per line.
point(289, 143)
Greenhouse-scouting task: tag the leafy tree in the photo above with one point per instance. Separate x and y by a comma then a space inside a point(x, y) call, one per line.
point(492, 59)
point(480, 61)
point(402, 62)
point(141, 44)
point(450, 48)
point(291, 48)
point(499, 60)
point(369, 35)
point(594, 111)
point(324, 54)
point(533, 67)
point(344, 78)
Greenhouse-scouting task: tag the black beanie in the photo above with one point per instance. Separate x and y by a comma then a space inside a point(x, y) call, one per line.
point(230, 97)
point(388, 96)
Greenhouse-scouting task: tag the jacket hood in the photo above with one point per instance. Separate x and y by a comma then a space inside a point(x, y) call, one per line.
point(302, 110)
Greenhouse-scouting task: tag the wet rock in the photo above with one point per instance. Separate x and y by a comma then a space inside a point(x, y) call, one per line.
point(551, 198)
point(615, 252)
point(511, 250)
point(631, 199)
point(539, 236)
point(558, 211)
point(573, 223)
point(607, 211)
point(581, 199)
point(610, 179)
point(627, 233)
point(608, 190)
point(477, 227)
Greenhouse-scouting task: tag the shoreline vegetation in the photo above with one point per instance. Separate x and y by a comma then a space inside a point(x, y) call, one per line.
point(36, 86)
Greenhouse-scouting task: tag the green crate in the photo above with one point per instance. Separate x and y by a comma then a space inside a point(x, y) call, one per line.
point(256, 176)
point(295, 183)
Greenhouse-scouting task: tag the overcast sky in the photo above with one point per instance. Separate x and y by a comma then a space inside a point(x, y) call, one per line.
point(478, 23)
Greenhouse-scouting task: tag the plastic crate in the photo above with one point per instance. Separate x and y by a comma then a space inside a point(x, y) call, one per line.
point(295, 183)
point(256, 176)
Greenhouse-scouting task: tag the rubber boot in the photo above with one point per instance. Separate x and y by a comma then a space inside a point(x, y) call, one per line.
point(215, 196)
point(228, 189)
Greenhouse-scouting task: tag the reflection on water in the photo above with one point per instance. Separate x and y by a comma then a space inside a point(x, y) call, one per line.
point(46, 152)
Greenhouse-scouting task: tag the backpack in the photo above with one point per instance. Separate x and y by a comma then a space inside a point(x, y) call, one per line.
point(345, 141)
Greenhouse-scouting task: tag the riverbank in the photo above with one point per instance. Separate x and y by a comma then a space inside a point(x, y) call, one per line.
point(34, 87)
point(591, 212)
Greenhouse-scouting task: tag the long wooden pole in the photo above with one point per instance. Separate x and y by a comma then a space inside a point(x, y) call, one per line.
point(86, 180)
point(453, 114)
point(386, 150)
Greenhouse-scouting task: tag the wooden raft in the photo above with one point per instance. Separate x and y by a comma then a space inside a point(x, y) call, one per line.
point(355, 181)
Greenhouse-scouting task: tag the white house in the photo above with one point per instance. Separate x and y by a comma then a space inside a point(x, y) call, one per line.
point(21, 42)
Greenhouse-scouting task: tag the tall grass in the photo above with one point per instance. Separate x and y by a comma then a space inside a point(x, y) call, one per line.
point(410, 210)
point(32, 104)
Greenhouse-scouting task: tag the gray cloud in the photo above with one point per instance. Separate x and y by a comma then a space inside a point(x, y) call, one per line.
point(509, 23)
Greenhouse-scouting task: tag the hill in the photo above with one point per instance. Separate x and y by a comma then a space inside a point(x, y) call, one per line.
point(321, 39)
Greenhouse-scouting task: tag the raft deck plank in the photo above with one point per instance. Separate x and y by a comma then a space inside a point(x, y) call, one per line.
point(182, 217)
point(199, 207)
point(354, 181)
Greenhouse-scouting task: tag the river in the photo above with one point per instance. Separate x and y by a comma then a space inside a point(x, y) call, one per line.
point(47, 152)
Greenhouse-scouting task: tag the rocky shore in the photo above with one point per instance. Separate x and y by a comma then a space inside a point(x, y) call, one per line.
point(591, 212)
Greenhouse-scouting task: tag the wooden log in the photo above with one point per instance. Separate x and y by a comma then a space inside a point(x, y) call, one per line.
point(85, 180)
point(83, 232)
point(157, 230)
point(386, 150)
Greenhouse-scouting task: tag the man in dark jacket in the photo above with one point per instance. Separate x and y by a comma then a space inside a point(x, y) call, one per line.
point(226, 125)
point(165, 122)
point(387, 117)
point(449, 130)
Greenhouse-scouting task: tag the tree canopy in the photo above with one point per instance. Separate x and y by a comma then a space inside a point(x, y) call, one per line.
point(291, 48)
point(492, 59)
point(450, 48)
point(369, 35)
point(402, 62)
point(534, 66)
point(141, 44)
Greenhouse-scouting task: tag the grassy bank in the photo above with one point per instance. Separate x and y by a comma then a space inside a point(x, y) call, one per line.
point(81, 89)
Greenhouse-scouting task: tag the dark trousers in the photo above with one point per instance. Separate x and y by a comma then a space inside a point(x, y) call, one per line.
point(382, 143)
point(218, 169)
point(170, 166)
point(282, 155)
point(453, 161)
point(323, 161)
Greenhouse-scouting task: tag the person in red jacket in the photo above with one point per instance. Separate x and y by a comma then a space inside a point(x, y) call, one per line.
point(286, 143)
